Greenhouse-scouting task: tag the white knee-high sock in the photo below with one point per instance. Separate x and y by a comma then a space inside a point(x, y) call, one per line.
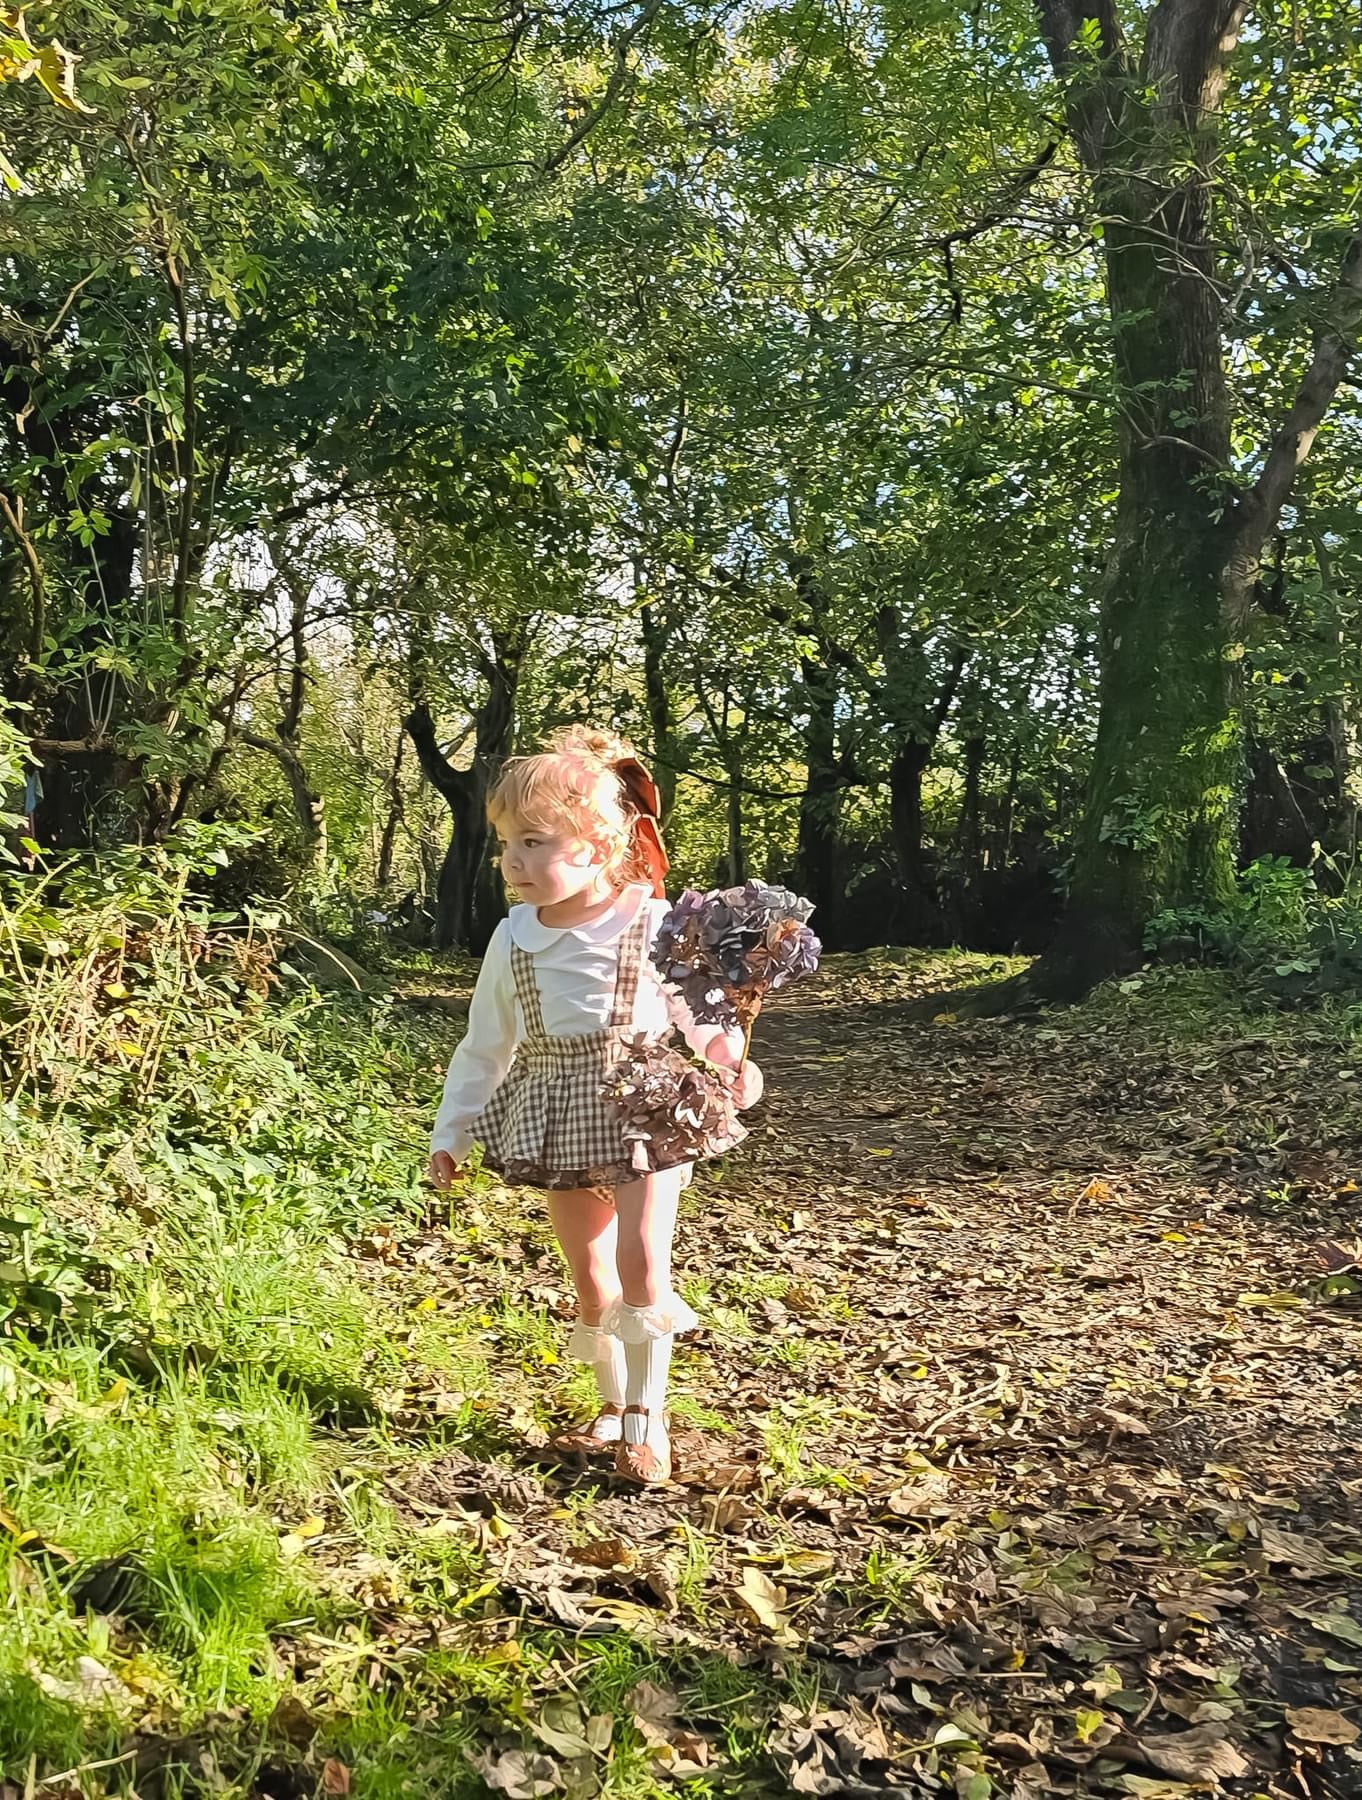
point(611, 1375)
point(649, 1333)
point(647, 1366)
point(605, 1353)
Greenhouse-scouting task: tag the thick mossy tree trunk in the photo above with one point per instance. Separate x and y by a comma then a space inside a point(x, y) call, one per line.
point(1161, 819)
point(1159, 826)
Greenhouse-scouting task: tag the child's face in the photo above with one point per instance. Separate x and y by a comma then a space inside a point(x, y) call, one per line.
point(546, 864)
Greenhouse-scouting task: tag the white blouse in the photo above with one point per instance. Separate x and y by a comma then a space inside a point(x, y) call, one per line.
point(574, 969)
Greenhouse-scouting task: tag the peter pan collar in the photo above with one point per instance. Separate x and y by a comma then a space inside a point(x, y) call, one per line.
point(528, 933)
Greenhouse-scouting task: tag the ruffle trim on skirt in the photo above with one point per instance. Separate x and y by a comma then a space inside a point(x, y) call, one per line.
point(516, 1171)
point(603, 1178)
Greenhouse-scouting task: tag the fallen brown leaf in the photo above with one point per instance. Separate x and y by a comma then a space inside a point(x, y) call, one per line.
point(517, 1774)
point(761, 1599)
point(1318, 1725)
point(1204, 1754)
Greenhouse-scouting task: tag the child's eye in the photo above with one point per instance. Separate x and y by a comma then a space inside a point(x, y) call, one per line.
point(532, 843)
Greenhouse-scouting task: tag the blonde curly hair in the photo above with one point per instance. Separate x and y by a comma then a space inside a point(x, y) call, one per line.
point(572, 785)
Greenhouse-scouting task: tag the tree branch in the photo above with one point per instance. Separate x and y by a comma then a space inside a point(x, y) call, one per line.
point(86, 746)
point(1093, 92)
point(950, 683)
point(12, 511)
point(618, 76)
point(453, 785)
point(185, 546)
point(1258, 512)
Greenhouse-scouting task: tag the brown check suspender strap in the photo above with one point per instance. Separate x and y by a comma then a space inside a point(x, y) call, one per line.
point(633, 949)
point(628, 973)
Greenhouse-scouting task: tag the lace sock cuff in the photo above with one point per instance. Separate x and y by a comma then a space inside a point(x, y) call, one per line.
point(637, 1324)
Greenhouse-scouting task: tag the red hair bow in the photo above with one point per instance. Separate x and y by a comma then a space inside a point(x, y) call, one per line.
point(641, 792)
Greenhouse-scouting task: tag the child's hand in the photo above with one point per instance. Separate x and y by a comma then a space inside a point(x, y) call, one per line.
point(748, 1082)
point(444, 1170)
point(749, 1086)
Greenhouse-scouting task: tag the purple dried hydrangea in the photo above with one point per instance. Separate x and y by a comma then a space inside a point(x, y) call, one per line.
point(726, 950)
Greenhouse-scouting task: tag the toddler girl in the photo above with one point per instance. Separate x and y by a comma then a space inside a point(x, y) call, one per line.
point(566, 986)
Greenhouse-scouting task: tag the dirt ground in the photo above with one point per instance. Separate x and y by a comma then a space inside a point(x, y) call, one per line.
point(1025, 1417)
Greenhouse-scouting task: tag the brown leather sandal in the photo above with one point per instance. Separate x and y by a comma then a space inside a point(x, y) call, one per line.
point(588, 1440)
point(643, 1463)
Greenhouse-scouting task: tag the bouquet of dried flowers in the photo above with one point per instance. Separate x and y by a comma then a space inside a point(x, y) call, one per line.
point(673, 1110)
point(726, 950)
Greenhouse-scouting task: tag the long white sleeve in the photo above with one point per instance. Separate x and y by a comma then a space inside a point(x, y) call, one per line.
point(479, 1065)
point(701, 1038)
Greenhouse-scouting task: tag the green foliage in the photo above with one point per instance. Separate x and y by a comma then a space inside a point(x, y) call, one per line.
point(752, 385)
point(108, 962)
point(16, 760)
point(186, 1158)
point(1296, 931)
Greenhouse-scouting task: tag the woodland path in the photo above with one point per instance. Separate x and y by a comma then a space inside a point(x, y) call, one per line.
point(1024, 1428)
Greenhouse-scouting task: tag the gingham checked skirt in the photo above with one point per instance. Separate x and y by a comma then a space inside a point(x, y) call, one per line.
point(548, 1125)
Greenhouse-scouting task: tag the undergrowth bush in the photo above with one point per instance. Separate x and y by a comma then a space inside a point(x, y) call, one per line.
point(111, 966)
point(1295, 932)
point(194, 1141)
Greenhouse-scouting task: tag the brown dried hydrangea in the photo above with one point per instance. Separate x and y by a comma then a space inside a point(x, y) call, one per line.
point(673, 1110)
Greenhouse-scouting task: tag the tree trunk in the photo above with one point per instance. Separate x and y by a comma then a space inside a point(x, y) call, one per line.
point(1273, 821)
point(1007, 810)
point(737, 848)
point(658, 695)
point(309, 805)
point(818, 858)
point(919, 923)
point(969, 841)
point(908, 675)
point(464, 791)
point(1160, 823)
point(384, 872)
point(1346, 743)
point(469, 900)
point(1340, 719)
point(309, 809)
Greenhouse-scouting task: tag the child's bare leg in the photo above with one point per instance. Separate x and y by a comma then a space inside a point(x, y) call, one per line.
point(648, 1317)
point(647, 1224)
point(586, 1227)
